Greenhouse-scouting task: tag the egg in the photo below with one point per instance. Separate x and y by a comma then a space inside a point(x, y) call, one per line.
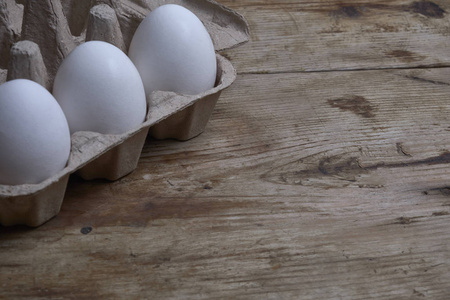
point(173, 52)
point(100, 89)
point(34, 134)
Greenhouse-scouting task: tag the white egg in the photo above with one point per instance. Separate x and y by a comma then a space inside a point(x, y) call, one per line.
point(174, 52)
point(34, 135)
point(100, 90)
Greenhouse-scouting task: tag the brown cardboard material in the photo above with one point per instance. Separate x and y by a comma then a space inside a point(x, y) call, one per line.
point(45, 24)
point(188, 123)
point(76, 12)
point(3, 75)
point(191, 121)
point(26, 62)
point(33, 209)
point(10, 12)
point(170, 115)
point(117, 162)
point(103, 25)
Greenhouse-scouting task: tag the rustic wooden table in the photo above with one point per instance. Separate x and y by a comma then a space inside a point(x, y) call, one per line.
point(323, 174)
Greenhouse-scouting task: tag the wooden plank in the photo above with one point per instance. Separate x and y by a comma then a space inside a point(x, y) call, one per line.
point(293, 36)
point(328, 185)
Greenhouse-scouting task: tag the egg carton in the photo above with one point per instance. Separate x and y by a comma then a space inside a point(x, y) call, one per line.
point(41, 33)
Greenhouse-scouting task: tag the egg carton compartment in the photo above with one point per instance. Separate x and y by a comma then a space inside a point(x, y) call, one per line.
point(95, 155)
point(190, 121)
point(40, 34)
point(32, 205)
point(117, 162)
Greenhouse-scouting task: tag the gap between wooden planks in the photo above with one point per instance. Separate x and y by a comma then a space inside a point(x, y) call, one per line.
point(296, 36)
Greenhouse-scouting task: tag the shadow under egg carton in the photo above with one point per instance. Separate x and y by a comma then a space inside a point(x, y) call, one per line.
point(36, 55)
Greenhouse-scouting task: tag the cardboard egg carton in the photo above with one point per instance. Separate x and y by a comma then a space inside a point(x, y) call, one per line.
point(41, 33)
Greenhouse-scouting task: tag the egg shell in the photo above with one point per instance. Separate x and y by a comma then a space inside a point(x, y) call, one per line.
point(173, 52)
point(100, 90)
point(34, 135)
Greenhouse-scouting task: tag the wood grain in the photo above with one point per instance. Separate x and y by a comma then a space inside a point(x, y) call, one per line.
point(306, 185)
point(292, 36)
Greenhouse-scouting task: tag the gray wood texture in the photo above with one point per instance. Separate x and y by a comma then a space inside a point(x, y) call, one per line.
point(323, 174)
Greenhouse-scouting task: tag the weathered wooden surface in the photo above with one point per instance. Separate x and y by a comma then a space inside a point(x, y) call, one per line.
point(305, 185)
point(305, 35)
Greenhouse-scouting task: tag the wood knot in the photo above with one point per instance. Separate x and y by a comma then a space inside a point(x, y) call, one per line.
point(86, 230)
point(348, 11)
point(427, 9)
point(356, 104)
